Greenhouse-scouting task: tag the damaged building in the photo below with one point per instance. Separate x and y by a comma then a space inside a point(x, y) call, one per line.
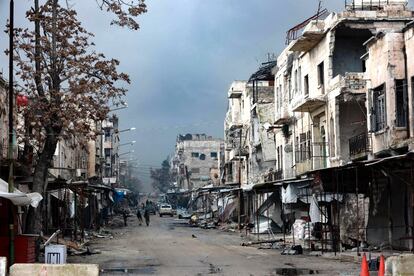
point(196, 161)
point(335, 163)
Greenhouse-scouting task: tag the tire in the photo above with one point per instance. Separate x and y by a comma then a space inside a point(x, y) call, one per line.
point(160, 216)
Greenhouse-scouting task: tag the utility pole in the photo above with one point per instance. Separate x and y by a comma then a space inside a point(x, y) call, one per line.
point(240, 179)
point(11, 131)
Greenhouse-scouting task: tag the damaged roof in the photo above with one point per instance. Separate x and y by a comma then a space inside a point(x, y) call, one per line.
point(264, 73)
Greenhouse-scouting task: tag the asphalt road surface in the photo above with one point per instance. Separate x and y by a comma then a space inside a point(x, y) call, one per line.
point(170, 247)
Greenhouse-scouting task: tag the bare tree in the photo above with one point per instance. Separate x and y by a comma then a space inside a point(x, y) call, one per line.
point(68, 83)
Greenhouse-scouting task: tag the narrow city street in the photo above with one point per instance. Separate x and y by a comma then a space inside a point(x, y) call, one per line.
point(171, 247)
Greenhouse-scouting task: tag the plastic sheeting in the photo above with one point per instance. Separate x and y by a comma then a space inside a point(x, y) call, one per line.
point(19, 198)
point(290, 194)
point(314, 211)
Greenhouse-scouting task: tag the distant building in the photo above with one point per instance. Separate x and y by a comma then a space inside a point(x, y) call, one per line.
point(196, 161)
point(110, 147)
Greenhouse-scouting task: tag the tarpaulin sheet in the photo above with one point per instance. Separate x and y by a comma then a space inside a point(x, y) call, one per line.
point(17, 197)
point(290, 194)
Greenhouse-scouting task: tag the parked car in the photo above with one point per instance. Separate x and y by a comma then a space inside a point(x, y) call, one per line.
point(183, 213)
point(166, 209)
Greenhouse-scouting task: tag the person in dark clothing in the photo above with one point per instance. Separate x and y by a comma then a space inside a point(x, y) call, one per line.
point(125, 216)
point(147, 216)
point(139, 216)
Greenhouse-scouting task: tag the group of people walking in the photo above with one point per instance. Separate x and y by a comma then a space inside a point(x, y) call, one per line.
point(146, 215)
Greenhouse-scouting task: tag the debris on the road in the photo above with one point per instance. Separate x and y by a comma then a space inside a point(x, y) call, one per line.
point(294, 250)
point(69, 244)
point(84, 252)
point(214, 269)
point(260, 242)
point(194, 236)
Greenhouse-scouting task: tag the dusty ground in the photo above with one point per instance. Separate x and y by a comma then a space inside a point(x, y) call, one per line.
point(169, 247)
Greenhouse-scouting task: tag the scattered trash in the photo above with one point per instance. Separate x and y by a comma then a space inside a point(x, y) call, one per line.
point(214, 269)
point(295, 271)
point(294, 250)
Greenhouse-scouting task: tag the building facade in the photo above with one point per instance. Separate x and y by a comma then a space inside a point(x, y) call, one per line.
point(342, 128)
point(196, 161)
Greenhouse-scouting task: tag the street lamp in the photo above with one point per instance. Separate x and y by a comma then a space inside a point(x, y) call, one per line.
point(129, 143)
point(125, 130)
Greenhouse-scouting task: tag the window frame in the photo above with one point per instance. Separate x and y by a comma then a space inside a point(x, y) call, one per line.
point(379, 108)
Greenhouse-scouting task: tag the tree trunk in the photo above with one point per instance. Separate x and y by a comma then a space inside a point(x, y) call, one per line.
point(34, 221)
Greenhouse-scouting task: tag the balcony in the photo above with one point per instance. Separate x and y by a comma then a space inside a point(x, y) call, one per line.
point(233, 94)
point(313, 158)
point(274, 176)
point(309, 104)
point(283, 117)
point(107, 145)
point(359, 146)
point(311, 36)
point(237, 153)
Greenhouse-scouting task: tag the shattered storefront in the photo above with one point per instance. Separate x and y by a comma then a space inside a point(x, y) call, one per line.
point(377, 206)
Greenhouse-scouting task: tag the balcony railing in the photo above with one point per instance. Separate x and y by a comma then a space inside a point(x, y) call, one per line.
point(312, 156)
point(358, 145)
point(274, 175)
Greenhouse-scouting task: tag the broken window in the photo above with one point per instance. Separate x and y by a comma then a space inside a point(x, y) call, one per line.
point(202, 157)
point(401, 103)
point(321, 75)
point(306, 85)
point(378, 112)
point(195, 154)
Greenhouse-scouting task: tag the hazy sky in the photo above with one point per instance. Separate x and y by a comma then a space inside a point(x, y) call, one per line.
point(183, 60)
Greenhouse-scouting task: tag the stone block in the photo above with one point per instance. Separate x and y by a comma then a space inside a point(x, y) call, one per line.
point(54, 270)
point(3, 266)
point(402, 265)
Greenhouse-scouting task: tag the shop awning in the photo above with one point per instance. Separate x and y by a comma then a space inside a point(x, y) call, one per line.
point(19, 198)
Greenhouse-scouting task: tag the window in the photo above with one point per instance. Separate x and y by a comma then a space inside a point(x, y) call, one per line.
point(202, 157)
point(299, 87)
point(401, 103)
point(280, 158)
point(289, 87)
point(280, 96)
point(379, 117)
point(213, 154)
point(195, 170)
point(306, 85)
point(107, 135)
point(195, 154)
point(296, 81)
point(303, 147)
point(321, 75)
